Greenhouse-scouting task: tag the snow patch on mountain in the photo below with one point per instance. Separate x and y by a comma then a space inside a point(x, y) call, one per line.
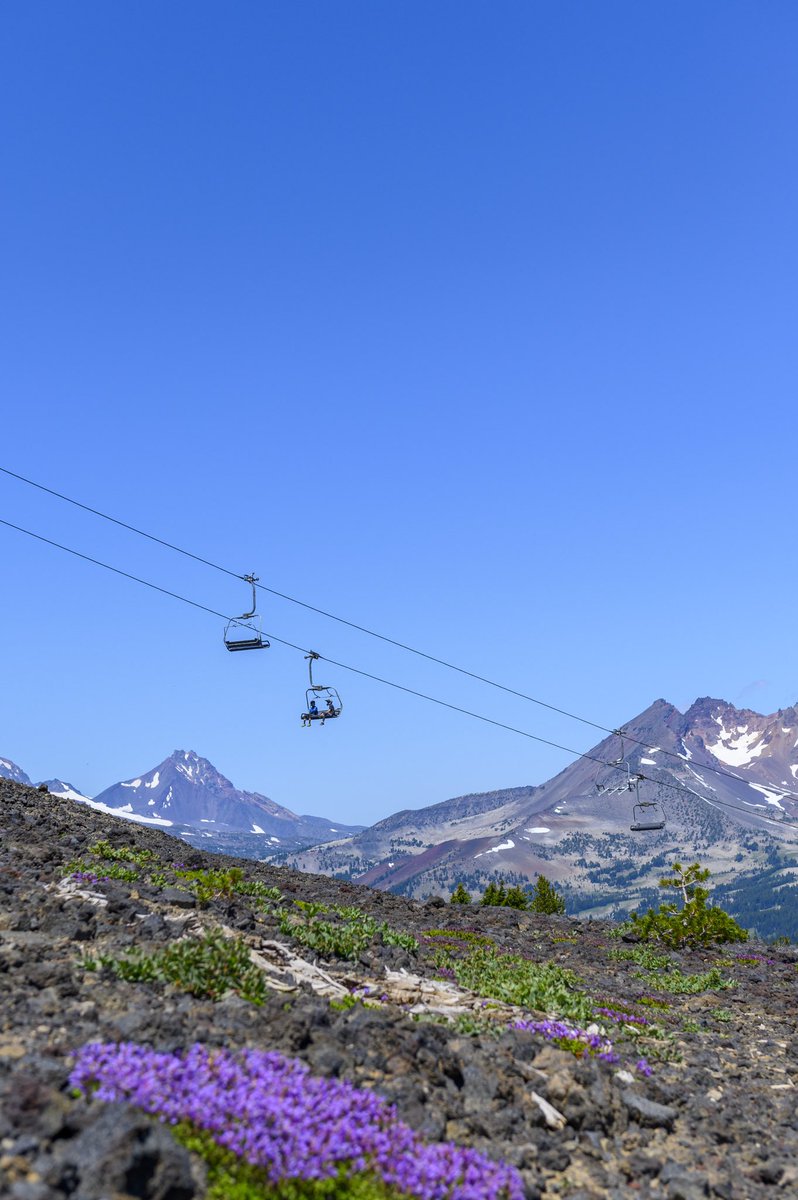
point(774, 798)
point(737, 751)
point(508, 845)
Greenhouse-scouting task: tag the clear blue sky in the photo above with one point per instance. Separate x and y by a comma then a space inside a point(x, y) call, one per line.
point(472, 323)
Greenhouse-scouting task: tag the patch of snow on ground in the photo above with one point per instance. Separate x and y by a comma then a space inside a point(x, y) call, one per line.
point(508, 845)
point(794, 769)
point(539, 829)
point(154, 781)
point(257, 828)
point(653, 749)
point(649, 762)
point(390, 864)
point(274, 839)
point(737, 751)
point(126, 813)
point(687, 754)
point(207, 820)
point(774, 798)
point(69, 794)
point(133, 783)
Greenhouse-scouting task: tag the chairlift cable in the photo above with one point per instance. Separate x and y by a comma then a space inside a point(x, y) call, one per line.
point(363, 628)
point(387, 682)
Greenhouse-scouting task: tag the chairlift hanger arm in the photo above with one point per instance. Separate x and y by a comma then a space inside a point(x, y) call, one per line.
point(251, 579)
point(312, 657)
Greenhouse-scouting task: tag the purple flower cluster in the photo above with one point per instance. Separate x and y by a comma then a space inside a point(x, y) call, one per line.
point(643, 1068)
point(560, 1031)
point(621, 1018)
point(272, 1113)
point(89, 877)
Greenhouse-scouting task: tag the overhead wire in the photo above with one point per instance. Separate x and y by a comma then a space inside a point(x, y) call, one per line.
point(577, 754)
point(621, 732)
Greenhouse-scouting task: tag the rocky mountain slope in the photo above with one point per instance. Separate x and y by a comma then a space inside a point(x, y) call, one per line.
point(677, 1081)
point(724, 780)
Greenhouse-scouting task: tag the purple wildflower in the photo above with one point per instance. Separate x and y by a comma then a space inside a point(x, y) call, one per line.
point(562, 1031)
point(621, 1018)
point(643, 1067)
point(269, 1111)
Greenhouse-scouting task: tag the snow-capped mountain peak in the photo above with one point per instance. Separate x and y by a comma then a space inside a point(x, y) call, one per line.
point(10, 770)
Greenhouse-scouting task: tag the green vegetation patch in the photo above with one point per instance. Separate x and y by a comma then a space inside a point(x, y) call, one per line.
point(679, 984)
point(346, 935)
point(515, 980)
point(206, 967)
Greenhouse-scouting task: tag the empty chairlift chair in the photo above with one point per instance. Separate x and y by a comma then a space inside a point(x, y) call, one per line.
point(244, 632)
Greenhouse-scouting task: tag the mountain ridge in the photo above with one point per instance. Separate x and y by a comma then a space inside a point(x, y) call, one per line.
point(724, 778)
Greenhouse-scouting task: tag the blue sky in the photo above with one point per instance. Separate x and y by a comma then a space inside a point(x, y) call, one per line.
point(474, 324)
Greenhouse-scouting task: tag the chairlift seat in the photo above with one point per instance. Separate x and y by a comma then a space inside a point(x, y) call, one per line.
point(647, 826)
point(256, 643)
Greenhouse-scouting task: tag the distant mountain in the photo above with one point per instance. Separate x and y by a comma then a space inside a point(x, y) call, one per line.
point(187, 796)
point(10, 770)
point(57, 787)
point(186, 793)
point(575, 828)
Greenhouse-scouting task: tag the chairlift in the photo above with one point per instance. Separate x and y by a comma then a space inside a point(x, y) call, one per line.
point(322, 703)
point(618, 762)
point(640, 822)
point(245, 632)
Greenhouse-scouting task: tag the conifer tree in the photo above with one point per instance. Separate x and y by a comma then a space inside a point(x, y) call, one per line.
point(546, 899)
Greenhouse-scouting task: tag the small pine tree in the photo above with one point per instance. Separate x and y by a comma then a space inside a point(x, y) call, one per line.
point(546, 898)
point(495, 893)
point(696, 923)
point(516, 898)
point(460, 895)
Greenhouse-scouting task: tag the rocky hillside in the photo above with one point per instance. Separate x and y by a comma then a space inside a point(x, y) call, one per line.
point(590, 1065)
point(722, 779)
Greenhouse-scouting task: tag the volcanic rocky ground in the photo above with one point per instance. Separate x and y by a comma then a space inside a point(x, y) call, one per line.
point(717, 1116)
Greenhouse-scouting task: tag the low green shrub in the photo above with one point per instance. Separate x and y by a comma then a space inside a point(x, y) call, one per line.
point(109, 853)
point(207, 967)
point(679, 984)
point(515, 980)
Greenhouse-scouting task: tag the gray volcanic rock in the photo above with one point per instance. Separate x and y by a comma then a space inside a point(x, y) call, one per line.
point(715, 1117)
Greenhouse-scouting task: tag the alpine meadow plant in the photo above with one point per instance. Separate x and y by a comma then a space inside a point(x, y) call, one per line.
point(207, 967)
point(515, 980)
point(263, 1120)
